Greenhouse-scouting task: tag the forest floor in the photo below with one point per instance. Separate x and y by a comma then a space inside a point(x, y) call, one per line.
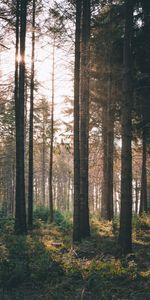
point(44, 265)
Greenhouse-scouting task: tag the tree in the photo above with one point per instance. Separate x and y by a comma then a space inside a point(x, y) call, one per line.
point(76, 221)
point(144, 82)
point(52, 136)
point(84, 120)
point(108, 117)
point(20, 211)
point(143, 200)
point(125, 231)
point(7, 148)
point(30, 178)
point(105, 69)
point(81, 228)
point(42, 135)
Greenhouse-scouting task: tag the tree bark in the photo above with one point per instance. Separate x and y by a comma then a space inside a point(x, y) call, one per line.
point(76, 213)
point(143, 200)
point(110, 208)
point(52, 138)
point(84, 121)
point(125, 232)
point(20, 211)
point(30, 184)
point(43, 165)
point(108, 150)
point(105, 146)
point(136, 195)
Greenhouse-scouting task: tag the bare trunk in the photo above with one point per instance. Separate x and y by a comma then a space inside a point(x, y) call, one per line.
point(43, 167)
point(143, 200)
point(20, 212)
point(84, 122)
point(125, 232)
point(108, 150)
point(110, 156)
point(76, 214)
point(30, 184)
point(104, 183)
point(136, 195)
point(52, 138)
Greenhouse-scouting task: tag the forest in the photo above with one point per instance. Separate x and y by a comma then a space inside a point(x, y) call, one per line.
point(74, 149)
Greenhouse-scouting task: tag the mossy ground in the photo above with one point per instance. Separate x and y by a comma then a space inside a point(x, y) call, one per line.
point(45, 265)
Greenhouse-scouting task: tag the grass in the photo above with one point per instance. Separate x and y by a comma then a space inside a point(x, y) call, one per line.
point(45, 265)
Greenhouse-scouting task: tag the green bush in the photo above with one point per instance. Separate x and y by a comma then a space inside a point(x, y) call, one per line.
point(115, 225)
point(13, 272)
point(58, 217)
point(143, 222)
point(6, 225)
point(39, 264)
point(2, 212)
point(14, 267)
point(62, 220)
point(42, 213)
point(23, 257)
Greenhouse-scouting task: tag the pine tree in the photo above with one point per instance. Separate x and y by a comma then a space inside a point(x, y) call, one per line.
point(125, 232)
point(76, 221)
point(84, 120)
point(20, 211)
point(30, 184)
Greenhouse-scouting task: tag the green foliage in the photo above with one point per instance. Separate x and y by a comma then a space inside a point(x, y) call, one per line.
point(115, 226)
point(134, 220)
point(42, 213)
point(58, 217)
point(63, 220)
point(13, 265)
point(3, 253)
point(2, 212)
point(6, 225)
point(143, 222)
point(23, 257)
point(108, 270)
point(39, 262)
point(89, 270)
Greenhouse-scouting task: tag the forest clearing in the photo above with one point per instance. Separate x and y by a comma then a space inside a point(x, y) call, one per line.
point(46, 265)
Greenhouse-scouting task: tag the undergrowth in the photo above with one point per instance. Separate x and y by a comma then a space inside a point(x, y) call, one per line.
point(45, 265)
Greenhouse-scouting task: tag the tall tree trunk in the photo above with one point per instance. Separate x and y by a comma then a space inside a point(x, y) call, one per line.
point(43, 165)
point(105, 147)
point(17, 61)
point(108, 150)
point(68, 190)
point(115, 199)
point(125, 232)
point(52, 137)
point(84, 121)
point(30, 184)
point(20, 212)
point(110, 208)
point(13, 188)
point(16, 88)
point(143, 200)
point(110, 144)
point(136, 195)
point(76, 214)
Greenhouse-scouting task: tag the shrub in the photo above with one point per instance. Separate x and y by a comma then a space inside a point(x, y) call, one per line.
point(143, 222)
point(42, 213)
point(62, 220)
point(58, 217)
